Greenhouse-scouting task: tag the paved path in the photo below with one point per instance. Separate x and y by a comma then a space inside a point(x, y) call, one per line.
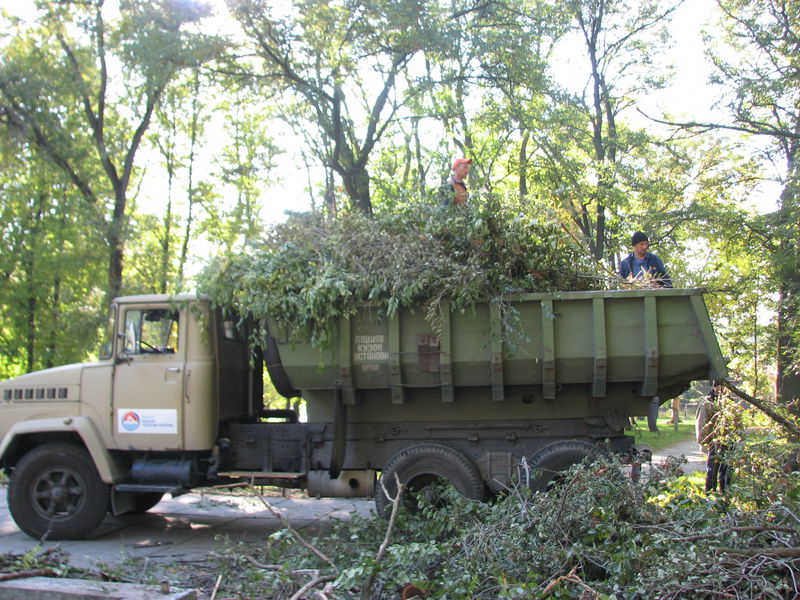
point(185, 528)
point(188, 527)
point(696, 460)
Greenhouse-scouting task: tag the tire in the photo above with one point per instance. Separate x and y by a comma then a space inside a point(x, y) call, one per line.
point(419, 466)
point(548, 463)
point(55, 493)
point(144, 501)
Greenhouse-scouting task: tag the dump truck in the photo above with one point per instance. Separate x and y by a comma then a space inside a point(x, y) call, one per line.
point(506, 391)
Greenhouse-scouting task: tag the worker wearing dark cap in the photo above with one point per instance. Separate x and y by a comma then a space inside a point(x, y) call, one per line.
point(641, 264)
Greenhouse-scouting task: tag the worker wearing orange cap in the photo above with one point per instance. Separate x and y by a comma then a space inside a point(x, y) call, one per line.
point(457, 183)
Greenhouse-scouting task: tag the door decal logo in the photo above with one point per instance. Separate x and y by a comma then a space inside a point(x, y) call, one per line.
point(130, 421)
point(138, 421)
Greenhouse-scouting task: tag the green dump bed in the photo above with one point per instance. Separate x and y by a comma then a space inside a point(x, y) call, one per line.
point(623, 345)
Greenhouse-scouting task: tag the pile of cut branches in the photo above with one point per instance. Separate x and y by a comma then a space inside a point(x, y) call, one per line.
point(598, 535)
point(306, 273)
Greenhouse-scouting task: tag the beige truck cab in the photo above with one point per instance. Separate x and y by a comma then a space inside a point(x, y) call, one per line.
point(118, 433)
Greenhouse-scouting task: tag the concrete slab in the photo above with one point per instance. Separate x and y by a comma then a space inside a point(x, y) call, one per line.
point(35, 588)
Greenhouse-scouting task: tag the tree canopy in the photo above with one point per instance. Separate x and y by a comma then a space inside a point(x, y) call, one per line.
point(145, 136)
point(292, 159)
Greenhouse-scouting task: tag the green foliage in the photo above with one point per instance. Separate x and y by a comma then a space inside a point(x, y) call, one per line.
point(755, 61)
point(598, 533)
point(307, 273)
point(51, 256)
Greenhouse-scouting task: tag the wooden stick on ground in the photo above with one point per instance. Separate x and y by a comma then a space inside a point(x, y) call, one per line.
point(24, 574)
point(312, 584)
point(216, 587)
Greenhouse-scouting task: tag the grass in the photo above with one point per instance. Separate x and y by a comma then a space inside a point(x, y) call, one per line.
point(666, 435)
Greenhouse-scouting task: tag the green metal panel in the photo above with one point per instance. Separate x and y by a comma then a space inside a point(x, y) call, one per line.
point(445, 357)
point(345, 383)
point(395, 370)
point(619, 346)
point(600, 351)
point(548, 350)
point(650, 381)
point(496, 328)
point(718, 369)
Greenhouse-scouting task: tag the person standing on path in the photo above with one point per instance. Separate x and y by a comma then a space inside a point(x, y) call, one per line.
point(709, 430)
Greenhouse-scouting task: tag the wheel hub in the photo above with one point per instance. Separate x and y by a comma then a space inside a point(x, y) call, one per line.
point(57, 493)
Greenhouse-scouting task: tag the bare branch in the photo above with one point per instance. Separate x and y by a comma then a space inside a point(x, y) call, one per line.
point(312, 584)
point(755, 128)
point(287, 525)
point(763, 406)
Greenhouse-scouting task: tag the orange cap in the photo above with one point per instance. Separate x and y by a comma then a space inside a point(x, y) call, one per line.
point(459, 161)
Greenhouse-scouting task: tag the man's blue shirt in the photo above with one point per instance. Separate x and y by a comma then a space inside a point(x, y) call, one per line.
point(649, 264)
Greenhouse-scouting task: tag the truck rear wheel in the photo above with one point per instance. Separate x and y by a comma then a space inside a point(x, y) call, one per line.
point(420, 466)
point(549, 463)
point(56, 493)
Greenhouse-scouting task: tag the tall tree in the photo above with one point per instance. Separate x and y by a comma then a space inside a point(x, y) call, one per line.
point(341, 66)
point(76, 74)
point(620, 39)
point(181, 120)
point(756, 63)
point(166, 139)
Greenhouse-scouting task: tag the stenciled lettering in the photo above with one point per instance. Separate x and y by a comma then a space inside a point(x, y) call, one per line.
point(370, 348)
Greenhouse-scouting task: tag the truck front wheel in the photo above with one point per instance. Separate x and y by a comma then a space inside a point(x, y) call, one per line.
point(419, 466)
point(56, 493)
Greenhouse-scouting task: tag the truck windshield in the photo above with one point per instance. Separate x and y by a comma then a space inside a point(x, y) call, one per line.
point(153, 330)
point(107, 347)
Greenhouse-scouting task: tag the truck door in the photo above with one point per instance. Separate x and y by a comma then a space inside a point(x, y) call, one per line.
point(149, 379)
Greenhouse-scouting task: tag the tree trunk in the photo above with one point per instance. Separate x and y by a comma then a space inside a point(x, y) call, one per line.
point(330, 195)
point(523, 167)
point(30, 341)
point(166, 241)
point(418, 154)
point(676, 411)
point(356, 185)
point(788, 379)
point(190, 193)
point(116, 244)
point(52, 344)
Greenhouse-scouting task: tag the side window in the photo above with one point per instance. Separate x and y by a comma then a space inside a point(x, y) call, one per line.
point(150, 331)
point(232, 331)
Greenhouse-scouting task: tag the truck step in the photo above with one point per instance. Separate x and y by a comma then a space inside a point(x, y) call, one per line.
point(146, 487)
point(262, 474)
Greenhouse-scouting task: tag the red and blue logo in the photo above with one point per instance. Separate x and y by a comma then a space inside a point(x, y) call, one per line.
point(130, 421)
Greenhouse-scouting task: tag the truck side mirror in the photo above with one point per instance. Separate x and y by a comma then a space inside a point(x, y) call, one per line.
point(128, 344)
